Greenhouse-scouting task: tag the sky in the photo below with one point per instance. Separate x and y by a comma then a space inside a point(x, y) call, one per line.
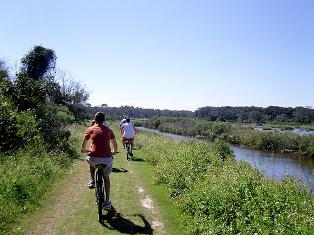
point(172, 54)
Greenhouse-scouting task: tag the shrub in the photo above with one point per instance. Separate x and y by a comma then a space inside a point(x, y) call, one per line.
point(25, 177)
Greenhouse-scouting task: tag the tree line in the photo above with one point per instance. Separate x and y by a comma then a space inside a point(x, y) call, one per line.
point(300, 115)
point(137, 112)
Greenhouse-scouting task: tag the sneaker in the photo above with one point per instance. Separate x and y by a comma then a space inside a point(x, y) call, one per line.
point(107, 204)
point(91, 184)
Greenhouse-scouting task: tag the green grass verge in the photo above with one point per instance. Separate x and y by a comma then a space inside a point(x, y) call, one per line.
point(221, 196)
point(173, 216)
point(25, 178)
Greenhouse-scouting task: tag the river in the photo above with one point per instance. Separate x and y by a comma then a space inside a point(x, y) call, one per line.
point(275, 166)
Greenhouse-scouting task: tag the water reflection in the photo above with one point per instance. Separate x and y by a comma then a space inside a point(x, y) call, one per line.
point(297, 131)
point(275, 166)
point(278, 166)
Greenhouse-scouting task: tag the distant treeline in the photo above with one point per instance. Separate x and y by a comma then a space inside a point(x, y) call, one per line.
point(299, 115)
point(138, 112)
point(257, 114)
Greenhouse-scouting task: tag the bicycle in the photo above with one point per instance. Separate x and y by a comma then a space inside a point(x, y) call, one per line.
point(100, 188)
point(128, 148)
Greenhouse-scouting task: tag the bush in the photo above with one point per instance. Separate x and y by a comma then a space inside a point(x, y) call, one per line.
point(25, 177)
point(236, 199)
point(17, 129)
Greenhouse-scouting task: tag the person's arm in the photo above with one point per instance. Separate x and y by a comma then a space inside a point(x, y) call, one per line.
point(85, 141)
point(84, 149)
point(114, 145)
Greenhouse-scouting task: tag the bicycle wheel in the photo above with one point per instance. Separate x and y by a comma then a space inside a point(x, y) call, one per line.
point(99, 193)
point(127, 150)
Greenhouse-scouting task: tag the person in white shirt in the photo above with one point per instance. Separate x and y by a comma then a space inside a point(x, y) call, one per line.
point(128, 132)
point(123, 121)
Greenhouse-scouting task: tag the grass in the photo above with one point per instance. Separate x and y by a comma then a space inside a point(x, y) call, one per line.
point(24, 180)
point(70, 206)
point(195, 189)
point(173, 214)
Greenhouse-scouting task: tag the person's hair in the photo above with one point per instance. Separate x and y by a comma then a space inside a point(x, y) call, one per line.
point(99, 117)
point(128, 120)
point(93, 122)
point(125, 117)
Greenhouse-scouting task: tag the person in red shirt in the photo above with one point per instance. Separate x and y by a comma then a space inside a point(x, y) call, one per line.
point(100, 152)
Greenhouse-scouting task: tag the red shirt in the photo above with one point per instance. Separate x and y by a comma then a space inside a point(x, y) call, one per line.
point(100, 136)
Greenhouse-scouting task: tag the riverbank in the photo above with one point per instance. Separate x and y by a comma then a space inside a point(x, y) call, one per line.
point(221, 196)
point(274, 166)
point(243, 135)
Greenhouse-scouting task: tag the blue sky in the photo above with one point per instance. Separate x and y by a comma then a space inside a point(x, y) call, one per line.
point(175, 54)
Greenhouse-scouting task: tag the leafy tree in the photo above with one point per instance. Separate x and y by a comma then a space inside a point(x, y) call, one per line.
point(40, 61)
point(255, 116)
point(4, 74)
point(303, 115)
point(282, 117)
point(34, 83)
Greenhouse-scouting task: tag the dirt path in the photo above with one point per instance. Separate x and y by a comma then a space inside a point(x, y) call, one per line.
point(73, 209)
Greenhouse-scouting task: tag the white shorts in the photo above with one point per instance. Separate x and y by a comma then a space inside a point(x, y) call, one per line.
point(93, 161)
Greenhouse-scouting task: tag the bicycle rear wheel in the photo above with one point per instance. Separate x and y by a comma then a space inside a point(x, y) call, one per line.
point(99, 193)
point(127, 150)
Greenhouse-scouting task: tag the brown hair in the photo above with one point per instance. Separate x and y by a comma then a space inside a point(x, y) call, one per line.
point(99, 117)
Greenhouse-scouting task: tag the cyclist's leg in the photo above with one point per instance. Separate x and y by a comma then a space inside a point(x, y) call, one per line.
point(92, 172)
point(131, 142)
point(106, 171)
point(123, 142)
point(91, 183)
point(107, 187)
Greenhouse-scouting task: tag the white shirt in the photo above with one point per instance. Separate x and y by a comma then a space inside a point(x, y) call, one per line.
point(122, 122)
point(128, 130)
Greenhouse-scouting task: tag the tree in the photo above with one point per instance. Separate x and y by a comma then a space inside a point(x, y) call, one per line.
point(73, 95)
point(4, 74)
point(40, 61)
point(255, 116)
point(35, 81)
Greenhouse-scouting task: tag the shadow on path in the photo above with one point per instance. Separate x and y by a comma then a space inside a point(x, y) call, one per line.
point(137, 159)
point(117, 170)
point(115, 221)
